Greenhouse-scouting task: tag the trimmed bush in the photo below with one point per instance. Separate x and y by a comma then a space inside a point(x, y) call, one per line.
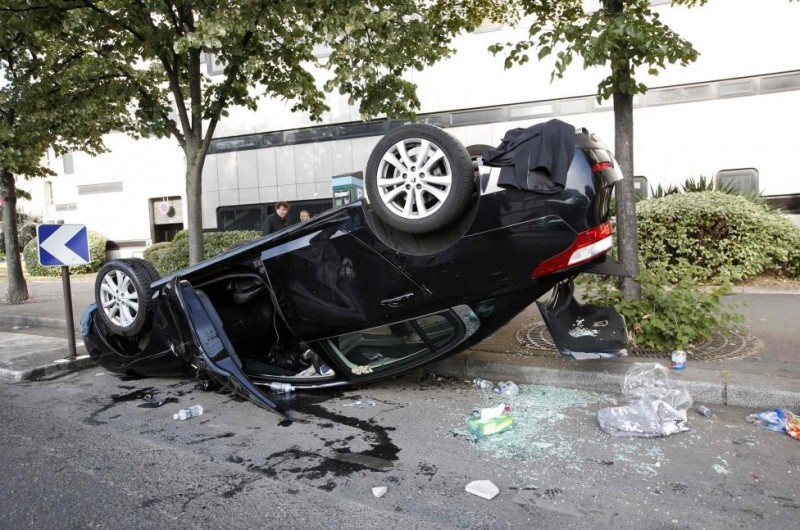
point(154, 251)
point(97, 253)
point(715, 237)
point(176, 257)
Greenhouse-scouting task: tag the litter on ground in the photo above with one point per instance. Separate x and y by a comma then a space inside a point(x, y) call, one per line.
point(654, 407)
point(483, 488)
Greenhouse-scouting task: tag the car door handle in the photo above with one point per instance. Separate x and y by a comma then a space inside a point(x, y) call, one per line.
point(397, 301)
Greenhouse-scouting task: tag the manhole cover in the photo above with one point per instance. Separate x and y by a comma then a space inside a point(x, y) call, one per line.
point(536, 340)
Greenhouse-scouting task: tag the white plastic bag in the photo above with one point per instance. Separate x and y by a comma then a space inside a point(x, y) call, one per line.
point(654, 409)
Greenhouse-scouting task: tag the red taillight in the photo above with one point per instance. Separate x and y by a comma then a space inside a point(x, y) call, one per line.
point(587, 245)
point(600, 166)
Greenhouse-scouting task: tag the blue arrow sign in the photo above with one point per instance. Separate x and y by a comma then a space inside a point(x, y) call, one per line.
point(61, 245)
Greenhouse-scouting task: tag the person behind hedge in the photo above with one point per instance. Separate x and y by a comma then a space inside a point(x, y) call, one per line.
point(277, 220)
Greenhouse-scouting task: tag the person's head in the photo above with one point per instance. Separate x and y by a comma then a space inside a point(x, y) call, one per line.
point(282, 208)
point(305, 215)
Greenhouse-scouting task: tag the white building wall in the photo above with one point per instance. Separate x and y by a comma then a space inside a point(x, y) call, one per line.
point(147, 168)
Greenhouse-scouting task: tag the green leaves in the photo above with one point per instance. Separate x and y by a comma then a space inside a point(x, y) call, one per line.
point(668, 316)
point(626, 34)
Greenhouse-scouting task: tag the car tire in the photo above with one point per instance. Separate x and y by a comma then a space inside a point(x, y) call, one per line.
point(149, 267)
point(124, 297)
point(435, 195)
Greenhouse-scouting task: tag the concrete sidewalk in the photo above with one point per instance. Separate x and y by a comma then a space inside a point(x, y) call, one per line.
point(767, 379)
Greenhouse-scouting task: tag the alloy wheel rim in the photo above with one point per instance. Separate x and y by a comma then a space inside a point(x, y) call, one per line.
point(414, 178)
point(119, 298)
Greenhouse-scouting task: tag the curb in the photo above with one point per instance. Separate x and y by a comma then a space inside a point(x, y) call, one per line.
point(38, 372)
point(709, 386)
point(36, 322)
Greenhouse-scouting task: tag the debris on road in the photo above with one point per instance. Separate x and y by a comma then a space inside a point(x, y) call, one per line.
point(704, 411)
point(654, 409)
point(483, 384)
point(779, 420)
point(360, 403)
point(507, 388)
point(191, 412)
point(379, 491)
point(483, 488)
point(490, 420)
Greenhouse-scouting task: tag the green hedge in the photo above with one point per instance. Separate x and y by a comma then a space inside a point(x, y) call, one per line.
point(175, 255)
point(97, 252)
point(715, 237)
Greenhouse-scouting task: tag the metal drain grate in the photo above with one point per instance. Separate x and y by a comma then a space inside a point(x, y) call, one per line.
point(536, 340)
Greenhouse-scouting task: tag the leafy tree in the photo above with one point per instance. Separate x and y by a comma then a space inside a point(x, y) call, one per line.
point(51, 96)
point(627, 36)
point(267, 49)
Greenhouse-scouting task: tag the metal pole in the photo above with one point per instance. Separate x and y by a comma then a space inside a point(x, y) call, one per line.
point(68, 309)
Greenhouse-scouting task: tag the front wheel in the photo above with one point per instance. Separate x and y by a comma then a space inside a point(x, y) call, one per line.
point(123, 296)
point(419, 179)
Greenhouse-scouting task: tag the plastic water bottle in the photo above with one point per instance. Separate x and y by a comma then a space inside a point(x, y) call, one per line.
point(507, 388)
point(281, 388)
point(191, 412)
point(483, 384)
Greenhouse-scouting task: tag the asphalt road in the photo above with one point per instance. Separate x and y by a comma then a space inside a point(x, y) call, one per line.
point(74, 456)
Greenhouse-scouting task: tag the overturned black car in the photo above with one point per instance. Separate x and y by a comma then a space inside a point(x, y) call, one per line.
point(445, 251)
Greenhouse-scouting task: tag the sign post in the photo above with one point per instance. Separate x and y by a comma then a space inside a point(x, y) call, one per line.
point(62, 246)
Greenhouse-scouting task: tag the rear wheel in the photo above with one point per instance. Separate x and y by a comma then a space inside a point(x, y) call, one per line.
point(149, 267)
point(419, 179)
point(124, 297)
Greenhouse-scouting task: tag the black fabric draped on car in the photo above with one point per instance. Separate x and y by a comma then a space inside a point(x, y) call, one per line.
point(536, 158)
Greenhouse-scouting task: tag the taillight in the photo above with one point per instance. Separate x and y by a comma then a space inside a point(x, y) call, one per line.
point(587, 245)
point(600, 166)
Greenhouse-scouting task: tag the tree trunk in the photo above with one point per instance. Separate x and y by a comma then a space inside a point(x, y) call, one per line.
point(194, 203)
point(627, 239)
point(17, 287)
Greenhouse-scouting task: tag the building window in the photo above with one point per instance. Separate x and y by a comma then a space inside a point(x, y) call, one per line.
point(69, 164)
point(743, 180)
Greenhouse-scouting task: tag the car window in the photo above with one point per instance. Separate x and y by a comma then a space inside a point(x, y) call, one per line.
point(371, 349)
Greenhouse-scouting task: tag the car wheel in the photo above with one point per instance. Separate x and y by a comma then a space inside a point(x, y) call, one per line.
point(149, 267)
point(123, 296)
point(419, 179)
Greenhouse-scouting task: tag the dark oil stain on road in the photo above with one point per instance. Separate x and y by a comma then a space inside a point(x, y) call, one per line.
point(375, 434)
point(209, 438)
point(141, 393)
point(338, 460)
point(307, 465)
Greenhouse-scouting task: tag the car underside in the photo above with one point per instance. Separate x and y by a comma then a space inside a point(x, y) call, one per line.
point(444, 252)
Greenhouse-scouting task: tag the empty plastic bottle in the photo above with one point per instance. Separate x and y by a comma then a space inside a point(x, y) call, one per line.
point(281, 388)
point(191, 412)
point(507, 388)
point(483, 384)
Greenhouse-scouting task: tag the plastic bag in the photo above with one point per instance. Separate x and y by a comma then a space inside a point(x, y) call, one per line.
point(654, 409)
point(779, 420)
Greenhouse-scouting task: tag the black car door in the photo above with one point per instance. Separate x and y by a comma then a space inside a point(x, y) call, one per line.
point(328, 282)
